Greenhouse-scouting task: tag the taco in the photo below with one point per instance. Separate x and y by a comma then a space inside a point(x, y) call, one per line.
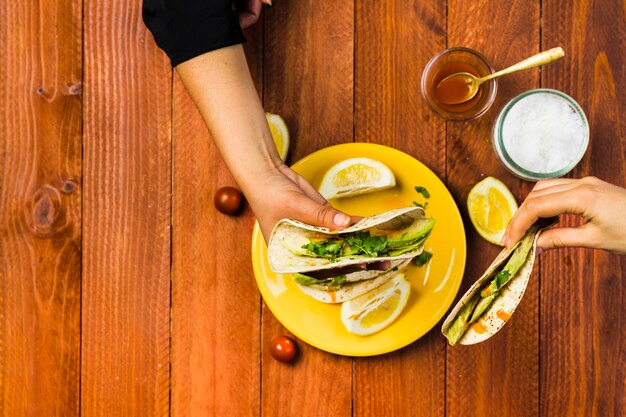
point(396, 234)
point(346, 287)
point(493, 298)
point(336, 266)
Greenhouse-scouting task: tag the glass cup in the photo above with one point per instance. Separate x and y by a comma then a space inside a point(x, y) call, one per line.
point(541, 134)
point(451, 61)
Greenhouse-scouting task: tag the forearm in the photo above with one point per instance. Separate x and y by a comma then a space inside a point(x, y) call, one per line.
point(220, 84)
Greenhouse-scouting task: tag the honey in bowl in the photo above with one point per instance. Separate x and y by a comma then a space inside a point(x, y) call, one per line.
point(454, 89)
point(451, 61)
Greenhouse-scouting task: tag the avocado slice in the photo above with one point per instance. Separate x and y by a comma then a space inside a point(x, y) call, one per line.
point(295, 246)
point(305, 280)
point(399, 238)
point(461, 323)
point(482, 305)
point(517, 259)
point(325, 284)
point(399, 250)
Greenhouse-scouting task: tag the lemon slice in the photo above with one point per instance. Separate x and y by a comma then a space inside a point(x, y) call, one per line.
point(491, 206)
point(280, 134)
point(356, 176)
point(376, 309)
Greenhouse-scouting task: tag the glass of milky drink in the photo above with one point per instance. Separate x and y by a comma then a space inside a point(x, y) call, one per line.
point(541, 134)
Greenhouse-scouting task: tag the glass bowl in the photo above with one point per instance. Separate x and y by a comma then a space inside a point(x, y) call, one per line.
point(449, 62)
point(541, 134)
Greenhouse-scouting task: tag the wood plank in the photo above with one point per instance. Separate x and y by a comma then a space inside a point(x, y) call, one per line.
point(308, 79)
point(126, 211)
point(40, 207)
point(394, 41)
point(583, 298)
point(309, 72)
point(215, 302)
point(508, 362)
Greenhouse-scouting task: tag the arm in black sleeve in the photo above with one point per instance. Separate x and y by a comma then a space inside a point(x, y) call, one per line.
point(188, 28)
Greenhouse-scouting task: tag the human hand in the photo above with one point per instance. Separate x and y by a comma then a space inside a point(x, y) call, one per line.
point(220, 84)
point(285, 194)
point(601, 205)
point(248, 11)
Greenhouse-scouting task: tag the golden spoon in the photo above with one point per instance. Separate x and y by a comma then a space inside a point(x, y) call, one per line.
point(462, 86)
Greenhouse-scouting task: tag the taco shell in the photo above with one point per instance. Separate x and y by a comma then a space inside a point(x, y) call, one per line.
point(352, 289)
point(505, 303)
point(285, 253)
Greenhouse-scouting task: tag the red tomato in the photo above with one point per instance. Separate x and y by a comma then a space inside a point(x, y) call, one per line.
point(227, 200)
point(283, 348)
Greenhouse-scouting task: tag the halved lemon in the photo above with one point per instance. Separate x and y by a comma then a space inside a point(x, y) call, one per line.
point(491, 206)
point(356, 176)
point(376, 309)
point(280, 134)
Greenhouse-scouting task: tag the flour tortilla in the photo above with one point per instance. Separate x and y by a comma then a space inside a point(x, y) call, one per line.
point(504, 305)
point(371, 273)
point(283, 261)
point(353, 289)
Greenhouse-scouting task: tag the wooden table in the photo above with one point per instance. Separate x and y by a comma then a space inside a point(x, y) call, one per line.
point(124, 293)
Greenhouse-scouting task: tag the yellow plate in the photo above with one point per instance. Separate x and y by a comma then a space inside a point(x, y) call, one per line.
point(433, 287)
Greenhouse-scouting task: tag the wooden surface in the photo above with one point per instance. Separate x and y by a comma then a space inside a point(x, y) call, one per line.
point(125, 329)
point(115, 298)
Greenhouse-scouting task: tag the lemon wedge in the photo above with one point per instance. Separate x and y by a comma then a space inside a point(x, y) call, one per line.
point(280, 134)
point(491, 206)
point(356, 176)
point(376, 309)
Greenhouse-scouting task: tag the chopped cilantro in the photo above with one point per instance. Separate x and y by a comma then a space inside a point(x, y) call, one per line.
point(357, 243)
point(502, 277)
point(423, 191)
point(327, 249)
point(423, 258)
point(363, 242)
point(416, 204)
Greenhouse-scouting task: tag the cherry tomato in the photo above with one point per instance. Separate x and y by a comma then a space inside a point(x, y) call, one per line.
point(283, 348)
point(227, 200)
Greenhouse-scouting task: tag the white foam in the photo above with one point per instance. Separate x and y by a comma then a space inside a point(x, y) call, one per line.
point(543, 133)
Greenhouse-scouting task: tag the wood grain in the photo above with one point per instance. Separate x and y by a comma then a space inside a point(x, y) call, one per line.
point(40, 207)
point(583, 298)
point(309, 72)
point(101, 150)
point(216, 308)
point(215, 302)
point(126, 212)
point(309, 80)
point(507, 365)
point(394, 41)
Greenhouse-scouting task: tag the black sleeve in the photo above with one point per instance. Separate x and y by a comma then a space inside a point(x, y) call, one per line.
point(188, 28)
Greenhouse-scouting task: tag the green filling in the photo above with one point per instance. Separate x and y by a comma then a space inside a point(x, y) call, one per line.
point(329, 283)
point(422, 259)
point(371, 245)
point(357, 243)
